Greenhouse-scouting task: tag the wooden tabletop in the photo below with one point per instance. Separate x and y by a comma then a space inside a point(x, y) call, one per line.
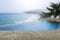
point(30, 35)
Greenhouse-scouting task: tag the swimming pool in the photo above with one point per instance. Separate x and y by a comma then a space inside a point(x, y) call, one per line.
point(9, 22)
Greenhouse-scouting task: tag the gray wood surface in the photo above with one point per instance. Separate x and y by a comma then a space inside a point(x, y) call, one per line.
point(30, 35)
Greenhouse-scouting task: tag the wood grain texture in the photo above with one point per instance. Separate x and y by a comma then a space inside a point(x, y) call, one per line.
point(30, 35)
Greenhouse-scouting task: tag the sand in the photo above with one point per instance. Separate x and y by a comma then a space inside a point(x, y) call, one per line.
point(30, 35)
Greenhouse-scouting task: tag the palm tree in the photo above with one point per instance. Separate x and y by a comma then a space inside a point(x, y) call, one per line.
point(53, 10)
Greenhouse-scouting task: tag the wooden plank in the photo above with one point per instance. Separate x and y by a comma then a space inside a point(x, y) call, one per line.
point(30, 35)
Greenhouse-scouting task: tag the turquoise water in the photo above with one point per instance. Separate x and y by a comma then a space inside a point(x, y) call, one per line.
point(43, 24)
point(12, 18)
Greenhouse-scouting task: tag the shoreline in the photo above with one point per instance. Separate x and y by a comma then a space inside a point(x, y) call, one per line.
point(53, 19)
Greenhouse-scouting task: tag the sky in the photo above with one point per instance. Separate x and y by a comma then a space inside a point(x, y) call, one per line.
point(17, 6)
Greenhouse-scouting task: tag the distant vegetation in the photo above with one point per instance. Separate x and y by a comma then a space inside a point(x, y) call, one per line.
point(54, 10)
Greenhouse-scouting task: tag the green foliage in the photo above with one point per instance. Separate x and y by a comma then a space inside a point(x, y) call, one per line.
point(53, 10)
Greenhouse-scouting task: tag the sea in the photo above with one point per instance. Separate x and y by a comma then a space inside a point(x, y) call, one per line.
point(25, 21)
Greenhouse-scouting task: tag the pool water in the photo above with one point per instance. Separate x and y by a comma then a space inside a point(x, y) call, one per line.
point(10, 19)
